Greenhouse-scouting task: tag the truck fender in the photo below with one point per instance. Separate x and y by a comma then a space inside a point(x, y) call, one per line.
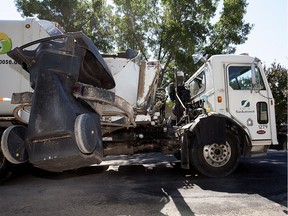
point(230, 124)
point(215, 132)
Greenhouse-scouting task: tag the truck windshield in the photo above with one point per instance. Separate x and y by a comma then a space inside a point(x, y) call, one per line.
point(240, 78)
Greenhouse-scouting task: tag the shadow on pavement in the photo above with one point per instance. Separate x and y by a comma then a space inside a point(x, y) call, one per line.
point(132, 179)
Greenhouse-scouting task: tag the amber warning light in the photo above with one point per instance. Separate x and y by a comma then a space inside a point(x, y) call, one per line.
point(219, 98)
point(5, 99)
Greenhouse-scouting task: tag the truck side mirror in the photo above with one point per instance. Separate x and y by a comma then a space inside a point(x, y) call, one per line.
point(253, 73)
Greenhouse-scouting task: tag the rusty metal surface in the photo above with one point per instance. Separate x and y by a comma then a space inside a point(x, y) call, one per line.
point(63, 136)
point(131, 147)
point(89, 92)
point(22, 98)
point(96, 96)
point(7, 118)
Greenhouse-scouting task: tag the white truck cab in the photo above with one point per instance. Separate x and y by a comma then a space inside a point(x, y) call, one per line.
point(236, 87)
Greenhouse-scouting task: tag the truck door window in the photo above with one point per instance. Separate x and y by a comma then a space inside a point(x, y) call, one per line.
point(240, 78)
point(197, 85)
point(262, 113)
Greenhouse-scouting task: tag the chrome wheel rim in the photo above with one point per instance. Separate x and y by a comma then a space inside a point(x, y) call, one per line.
point(217, 155)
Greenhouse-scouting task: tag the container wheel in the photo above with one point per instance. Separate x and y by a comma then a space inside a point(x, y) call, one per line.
point(86, 133)
point(13, 144)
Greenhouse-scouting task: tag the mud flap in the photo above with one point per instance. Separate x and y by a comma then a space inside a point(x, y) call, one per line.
point(185, 163)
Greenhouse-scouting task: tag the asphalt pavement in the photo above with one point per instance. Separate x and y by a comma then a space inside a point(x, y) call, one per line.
point(149, 184)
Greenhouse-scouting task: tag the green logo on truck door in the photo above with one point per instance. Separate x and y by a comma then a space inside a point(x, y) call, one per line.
point(5, 43)
point(245, 103)
point(245, 107)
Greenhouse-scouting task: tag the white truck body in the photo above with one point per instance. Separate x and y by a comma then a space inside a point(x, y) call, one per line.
point(13, 78)
point(136, 84)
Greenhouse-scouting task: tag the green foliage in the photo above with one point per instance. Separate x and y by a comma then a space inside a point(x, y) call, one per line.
point(173, 30)
point(91, 17)
point(138, 25)
point(167, 30)
point(277, 78)
point(186, 27)
point(230, 29)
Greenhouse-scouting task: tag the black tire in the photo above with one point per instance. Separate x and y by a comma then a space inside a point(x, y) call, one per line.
point(177, 155)
point(282, 139)
point(6, 168)
point(215, 160)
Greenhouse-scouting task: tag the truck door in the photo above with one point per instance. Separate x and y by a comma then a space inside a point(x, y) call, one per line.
point(248, 101)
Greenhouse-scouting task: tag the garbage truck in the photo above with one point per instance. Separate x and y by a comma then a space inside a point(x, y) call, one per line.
point(84, 106)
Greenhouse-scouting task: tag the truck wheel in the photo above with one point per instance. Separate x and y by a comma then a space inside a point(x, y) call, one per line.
point(215, 160)
point(6, 168)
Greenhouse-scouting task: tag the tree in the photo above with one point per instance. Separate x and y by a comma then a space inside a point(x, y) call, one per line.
point(173, 30)
point(91, 17)
point(168, 30)
point(277, 78)
point(229, 30)
point(138, 25)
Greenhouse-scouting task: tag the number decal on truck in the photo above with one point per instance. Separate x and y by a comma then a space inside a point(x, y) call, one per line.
point(263, 126)
point(6, 61)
